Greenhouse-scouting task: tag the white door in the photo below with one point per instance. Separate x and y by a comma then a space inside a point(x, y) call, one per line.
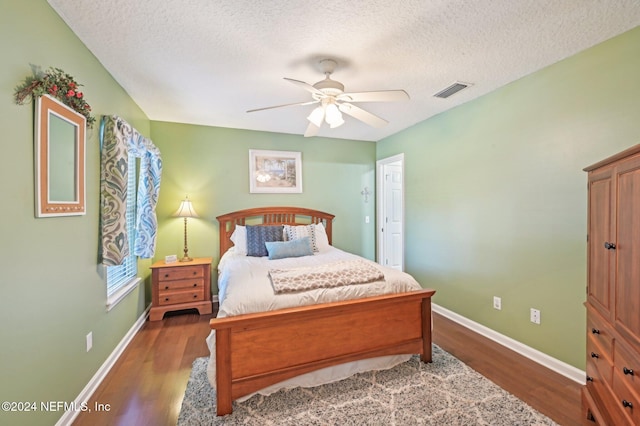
point(390, 218)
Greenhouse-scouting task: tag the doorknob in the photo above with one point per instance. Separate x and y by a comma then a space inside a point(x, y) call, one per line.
point(609, 246)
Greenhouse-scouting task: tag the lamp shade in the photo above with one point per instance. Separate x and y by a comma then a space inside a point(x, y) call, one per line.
point(316, 116)
point(185, 209)
point(333, 116)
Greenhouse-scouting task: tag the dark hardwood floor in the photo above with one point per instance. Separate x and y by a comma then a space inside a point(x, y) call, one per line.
point(147, 383)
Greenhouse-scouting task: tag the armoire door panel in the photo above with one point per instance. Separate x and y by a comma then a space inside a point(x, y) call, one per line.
point(600, 226)
point(627, 303)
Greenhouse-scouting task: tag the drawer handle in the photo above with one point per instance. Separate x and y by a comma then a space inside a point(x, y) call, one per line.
point(195, 272)
point(610, 246)
point(166, 299)
point(595, 331)
point(166, 275)
point(589, 379)
point(195, 284)
point(625, 370)
point(166, 287)
point(594, 355)
point(195, 296)
point(626, 404)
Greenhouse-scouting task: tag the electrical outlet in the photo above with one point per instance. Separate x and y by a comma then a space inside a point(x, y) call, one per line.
point(535, 316)
point(497, 303)
point(89, 341)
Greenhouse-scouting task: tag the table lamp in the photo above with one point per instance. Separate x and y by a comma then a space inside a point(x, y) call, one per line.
point(186, 211)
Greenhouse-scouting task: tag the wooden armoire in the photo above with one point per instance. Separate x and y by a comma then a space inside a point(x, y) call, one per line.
point(612, 392)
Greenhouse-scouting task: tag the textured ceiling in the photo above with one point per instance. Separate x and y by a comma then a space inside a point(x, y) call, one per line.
point(209, 61)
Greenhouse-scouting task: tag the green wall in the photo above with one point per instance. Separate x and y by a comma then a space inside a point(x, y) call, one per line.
point(211, 165)
point(496, 196)
point(52, 292)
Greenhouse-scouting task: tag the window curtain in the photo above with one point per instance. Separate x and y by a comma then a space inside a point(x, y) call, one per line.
point(118, 139)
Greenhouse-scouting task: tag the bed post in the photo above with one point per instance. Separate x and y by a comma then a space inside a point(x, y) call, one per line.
point(426, 355)
point(327, 226)
point(223, 371)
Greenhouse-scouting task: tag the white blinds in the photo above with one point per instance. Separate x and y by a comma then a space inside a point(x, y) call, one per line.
point(118, 276)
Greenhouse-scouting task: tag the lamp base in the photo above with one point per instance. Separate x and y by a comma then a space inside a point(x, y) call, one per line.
point(185, 259)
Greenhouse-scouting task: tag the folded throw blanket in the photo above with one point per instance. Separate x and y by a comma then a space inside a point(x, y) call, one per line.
point(324, 276)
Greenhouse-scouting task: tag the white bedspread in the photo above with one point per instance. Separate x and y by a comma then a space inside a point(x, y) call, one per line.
point(244, 287)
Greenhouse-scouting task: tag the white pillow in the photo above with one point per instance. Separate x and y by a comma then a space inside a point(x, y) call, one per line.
point(322, 241)
point(239, 240)
point(295, 232)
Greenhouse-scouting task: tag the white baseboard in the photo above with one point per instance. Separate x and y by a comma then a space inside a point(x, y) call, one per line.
point(541, 358)
point(69, 416)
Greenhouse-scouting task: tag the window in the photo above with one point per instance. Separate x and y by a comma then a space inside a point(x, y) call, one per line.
point(121, 194)
point(122, 279)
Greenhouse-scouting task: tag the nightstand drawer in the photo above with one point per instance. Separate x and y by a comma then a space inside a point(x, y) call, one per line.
point(164, 286)
point(171, 298)
point(180, 273)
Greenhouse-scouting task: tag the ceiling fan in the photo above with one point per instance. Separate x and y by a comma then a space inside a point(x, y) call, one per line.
point(333, 101)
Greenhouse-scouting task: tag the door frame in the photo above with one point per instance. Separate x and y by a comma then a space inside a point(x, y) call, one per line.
point(380, 201)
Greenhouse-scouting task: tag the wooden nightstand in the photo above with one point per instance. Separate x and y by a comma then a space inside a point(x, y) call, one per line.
point(180, 285)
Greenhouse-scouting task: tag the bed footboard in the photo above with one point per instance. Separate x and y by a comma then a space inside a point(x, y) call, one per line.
point(254, 351)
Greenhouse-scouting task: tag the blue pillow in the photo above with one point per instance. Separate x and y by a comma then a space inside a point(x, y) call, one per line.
point(294, 248)
point(257, 235)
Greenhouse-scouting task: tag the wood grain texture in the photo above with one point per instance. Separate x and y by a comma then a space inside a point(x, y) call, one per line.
point(260, 349)
point(270, 216)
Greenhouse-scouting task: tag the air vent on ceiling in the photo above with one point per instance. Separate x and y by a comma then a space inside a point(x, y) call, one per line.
point(452, 90)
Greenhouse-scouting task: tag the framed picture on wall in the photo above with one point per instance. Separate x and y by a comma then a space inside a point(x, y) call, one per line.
point(275, 171)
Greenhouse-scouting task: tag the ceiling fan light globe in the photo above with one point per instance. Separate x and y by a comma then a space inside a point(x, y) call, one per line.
point(333, 116)
point(316, 116)
point(336, 123)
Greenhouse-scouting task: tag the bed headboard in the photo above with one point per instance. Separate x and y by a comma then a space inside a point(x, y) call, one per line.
point(270, 216)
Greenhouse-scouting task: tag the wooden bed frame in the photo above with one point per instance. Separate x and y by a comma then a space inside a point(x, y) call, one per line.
point(256, 350)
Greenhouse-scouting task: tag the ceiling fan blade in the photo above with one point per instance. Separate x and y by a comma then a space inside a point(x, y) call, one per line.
point(285, 105)
point(312, 130)
point(362, 115)
point(305, 86)
point(377, 96)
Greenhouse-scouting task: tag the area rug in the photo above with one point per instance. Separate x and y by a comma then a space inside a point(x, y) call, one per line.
point(445, 392)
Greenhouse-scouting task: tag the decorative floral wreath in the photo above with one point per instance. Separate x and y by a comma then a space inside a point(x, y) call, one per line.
point(57, 83)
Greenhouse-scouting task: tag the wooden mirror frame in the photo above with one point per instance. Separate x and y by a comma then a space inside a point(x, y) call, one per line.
point(46, 206)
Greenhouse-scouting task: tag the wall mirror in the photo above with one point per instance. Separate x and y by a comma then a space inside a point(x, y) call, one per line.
point(59, 159)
